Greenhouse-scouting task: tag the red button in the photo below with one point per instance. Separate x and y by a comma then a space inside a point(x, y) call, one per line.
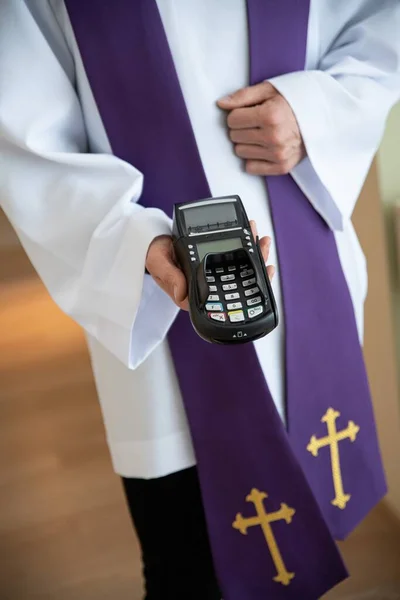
point(217, 316)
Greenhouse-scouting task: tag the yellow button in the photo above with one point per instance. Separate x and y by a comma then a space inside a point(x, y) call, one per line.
point(235, 316)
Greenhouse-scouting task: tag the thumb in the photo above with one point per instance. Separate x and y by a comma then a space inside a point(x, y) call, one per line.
point(160, 263)
point(172, 280)
point(248, 96)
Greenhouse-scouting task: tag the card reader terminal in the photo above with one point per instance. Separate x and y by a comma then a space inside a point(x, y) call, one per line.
point(229, 292)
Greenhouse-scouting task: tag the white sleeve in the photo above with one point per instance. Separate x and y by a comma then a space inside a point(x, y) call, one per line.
point(75, 213)
point(342, 106)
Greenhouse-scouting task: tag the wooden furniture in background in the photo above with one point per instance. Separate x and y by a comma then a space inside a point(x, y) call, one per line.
point(379, 343)
point(369, 562)
point(396, 212)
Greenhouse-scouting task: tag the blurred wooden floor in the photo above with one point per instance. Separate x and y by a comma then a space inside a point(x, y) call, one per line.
point(65, 533)
point(64, 529)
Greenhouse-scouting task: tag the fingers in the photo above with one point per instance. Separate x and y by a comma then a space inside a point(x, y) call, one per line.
point(271, 111)
point(180, 290)
point(269, 137)
point(274, 155)
point(265, 241)
point(264, 129)
point(271, 271)
point(265, 246)
point(185, 304)
point(248, 96)
point(161, 264)
point(264, 168)
point(253, 227)
point(244, 118)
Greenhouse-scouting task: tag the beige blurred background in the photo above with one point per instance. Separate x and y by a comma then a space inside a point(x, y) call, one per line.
point(64, 529)
point(389, 184)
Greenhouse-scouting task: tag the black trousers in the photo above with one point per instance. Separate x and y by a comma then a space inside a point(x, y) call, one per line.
point(168, 516)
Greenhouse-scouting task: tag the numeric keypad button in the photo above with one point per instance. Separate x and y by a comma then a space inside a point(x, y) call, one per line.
point(227, 277)
point(232, 268)
point(254, 312)
point(236, 316)
point(219, 270)
point(248, 282)
point(251, 291)
point(214, 306)
point(246, 272)
point(233, 296)
point(229, 286)
point(234, 305)
point(219, 316)
point(212, 288)
point(210, 279)
point(213, 298)
point(255, 300)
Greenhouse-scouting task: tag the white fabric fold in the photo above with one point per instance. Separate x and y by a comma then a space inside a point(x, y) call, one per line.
point(76, 214)
point(341, 107)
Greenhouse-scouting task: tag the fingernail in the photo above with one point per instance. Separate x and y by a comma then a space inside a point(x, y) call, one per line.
point(225, 99)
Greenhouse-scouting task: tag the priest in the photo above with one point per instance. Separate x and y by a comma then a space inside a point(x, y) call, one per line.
point(240, 465)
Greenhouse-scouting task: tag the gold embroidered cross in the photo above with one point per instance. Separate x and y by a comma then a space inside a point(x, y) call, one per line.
point(264, 519)
point(341, 499)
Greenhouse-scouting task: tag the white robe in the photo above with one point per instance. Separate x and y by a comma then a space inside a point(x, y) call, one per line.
point(76, 208)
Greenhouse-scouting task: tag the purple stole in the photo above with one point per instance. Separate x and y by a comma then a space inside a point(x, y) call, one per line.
point(273, 497)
